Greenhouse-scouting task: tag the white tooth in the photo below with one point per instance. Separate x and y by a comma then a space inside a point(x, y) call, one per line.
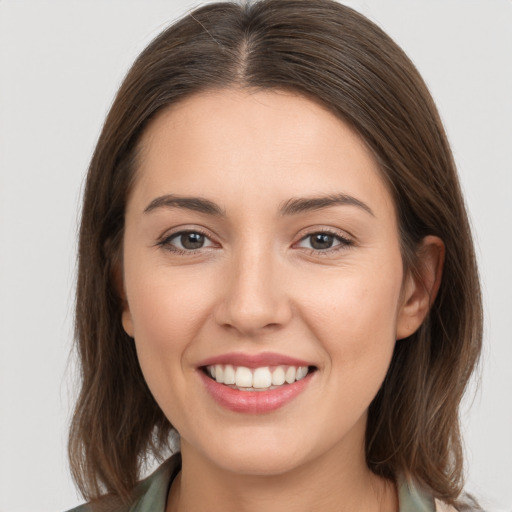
point(302, 371)
point(219, 373)
point(278, 376)
point(229, 374)
point(243, 377)
point(291, 374)
point(211, 370)
point(262, 378)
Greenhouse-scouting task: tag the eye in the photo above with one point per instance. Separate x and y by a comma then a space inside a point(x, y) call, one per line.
point(323, 241)
point(187, 241)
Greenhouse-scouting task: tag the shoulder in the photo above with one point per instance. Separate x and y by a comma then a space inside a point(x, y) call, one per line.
point(413, 497)
point(149, 495)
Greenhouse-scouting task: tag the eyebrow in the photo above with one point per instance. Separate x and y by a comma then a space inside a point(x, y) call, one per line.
point(197, 204)
point(298, 205)
point(293, 206)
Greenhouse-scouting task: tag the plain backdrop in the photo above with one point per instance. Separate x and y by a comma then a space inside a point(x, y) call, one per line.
point(60, 65)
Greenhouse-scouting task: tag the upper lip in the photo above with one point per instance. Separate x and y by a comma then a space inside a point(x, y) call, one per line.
point(254, 360)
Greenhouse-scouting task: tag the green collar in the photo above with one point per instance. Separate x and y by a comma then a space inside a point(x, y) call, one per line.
point(412, 498)
point(150, 495)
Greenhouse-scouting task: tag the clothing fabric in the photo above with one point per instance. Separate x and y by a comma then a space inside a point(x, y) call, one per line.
point(150, 495)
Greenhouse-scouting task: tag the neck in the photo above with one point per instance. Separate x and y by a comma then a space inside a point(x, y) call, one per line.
point(334, 482)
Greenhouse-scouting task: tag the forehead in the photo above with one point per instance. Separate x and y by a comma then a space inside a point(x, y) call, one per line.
point(238, 143)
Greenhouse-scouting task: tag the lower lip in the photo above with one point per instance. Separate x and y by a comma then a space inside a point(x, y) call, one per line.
point(254, 402)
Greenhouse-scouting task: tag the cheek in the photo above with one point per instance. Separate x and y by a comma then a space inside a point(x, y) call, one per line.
point(354, 317)
point(168, 309)
point(164, 302)
point(355, 325)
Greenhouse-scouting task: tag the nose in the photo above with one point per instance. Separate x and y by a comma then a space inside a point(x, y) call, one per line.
point(254, 301)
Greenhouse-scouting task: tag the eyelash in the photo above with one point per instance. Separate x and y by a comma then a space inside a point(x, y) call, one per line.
point(167, 245)
point(344, 242)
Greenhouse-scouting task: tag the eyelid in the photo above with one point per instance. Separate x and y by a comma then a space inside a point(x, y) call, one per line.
point(343, 237)
point(330, 230)
point(345, 240)
point(165, 239)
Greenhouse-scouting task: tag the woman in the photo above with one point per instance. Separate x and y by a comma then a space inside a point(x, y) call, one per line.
point(276, 262)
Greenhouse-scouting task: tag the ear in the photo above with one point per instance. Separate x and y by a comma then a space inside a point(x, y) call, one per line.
point(420, 288)
point(126, 316)
point(126, 320)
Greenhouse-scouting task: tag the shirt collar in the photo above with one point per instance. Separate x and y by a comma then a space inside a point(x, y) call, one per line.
point(151, 493)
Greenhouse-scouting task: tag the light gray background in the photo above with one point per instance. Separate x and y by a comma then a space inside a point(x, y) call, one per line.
point(60, 65)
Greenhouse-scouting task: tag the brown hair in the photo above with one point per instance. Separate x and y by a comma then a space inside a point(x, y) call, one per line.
point(331, 53)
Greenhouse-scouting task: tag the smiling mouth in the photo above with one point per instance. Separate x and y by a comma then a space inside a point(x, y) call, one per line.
point(263, 378)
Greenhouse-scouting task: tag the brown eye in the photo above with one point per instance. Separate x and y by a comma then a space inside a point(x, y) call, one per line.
point(192, 240)
point(185, 241)
point(322, 241)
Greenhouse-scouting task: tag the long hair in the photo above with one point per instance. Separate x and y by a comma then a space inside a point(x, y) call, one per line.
point(328, 52)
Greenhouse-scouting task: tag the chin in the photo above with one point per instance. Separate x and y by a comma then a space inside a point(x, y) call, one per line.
point(259, 463)
point(253, 453)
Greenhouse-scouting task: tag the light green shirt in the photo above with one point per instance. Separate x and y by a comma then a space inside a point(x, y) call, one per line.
point(150, 495)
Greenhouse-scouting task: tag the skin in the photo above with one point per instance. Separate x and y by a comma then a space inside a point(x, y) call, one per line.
point(259, 285)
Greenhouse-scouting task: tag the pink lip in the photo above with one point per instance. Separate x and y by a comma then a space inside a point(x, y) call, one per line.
point(253, 402)
point(254, 360)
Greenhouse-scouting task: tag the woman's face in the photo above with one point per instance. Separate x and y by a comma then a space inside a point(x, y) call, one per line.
point(260, 239)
